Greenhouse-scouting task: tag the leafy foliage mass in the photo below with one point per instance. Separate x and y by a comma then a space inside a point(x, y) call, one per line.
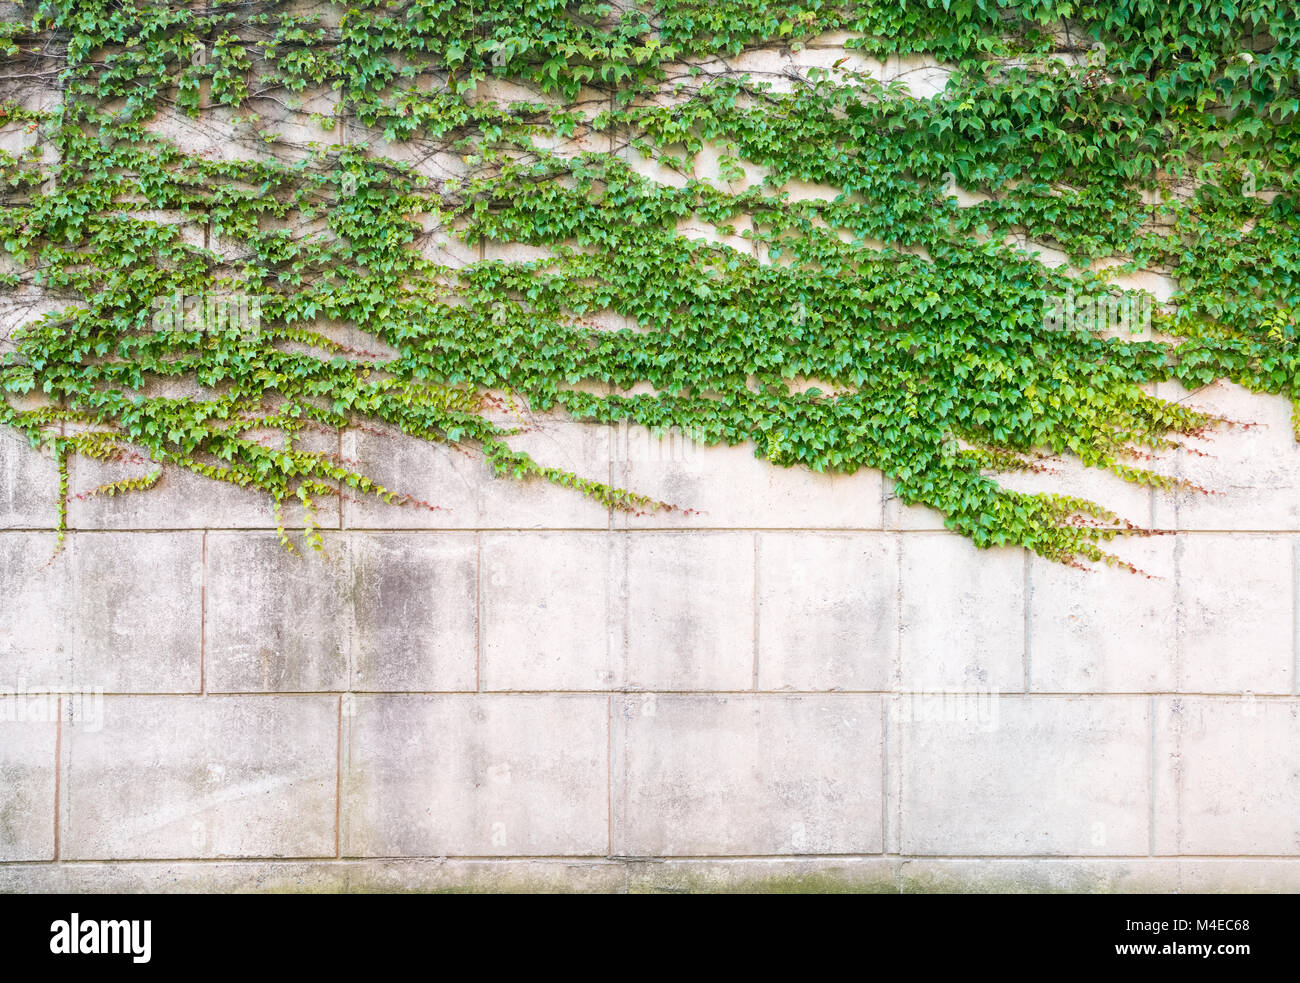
point(873, 324)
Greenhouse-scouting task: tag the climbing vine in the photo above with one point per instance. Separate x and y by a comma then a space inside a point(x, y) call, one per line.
point(870, 322)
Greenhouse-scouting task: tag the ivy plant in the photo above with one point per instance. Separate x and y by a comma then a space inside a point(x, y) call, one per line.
point(874, 323)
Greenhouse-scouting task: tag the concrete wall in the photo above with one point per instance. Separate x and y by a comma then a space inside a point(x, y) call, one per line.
point(803, 686)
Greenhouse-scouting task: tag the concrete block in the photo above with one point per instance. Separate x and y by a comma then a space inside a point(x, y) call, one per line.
point(1253, 472)
point(924, 76)
point(762, 62)
point(828, 611)
point(1046, 255)
point(293, 129)
point(1105, 629)
point(552, 440)
point(835, 60)
point(306, 122)
point(172, 777)
point(1068, 476)
point(414, 605)
point(1226, 781)
point(727, 487)
point(1235, 600)
point(28, 729)
point(707, 165)
point(520, 252)
point(36, 632)
point(476, 776)
point(1043, 776)
point(427, 158)
point(1039, 876)
point(19, 307)
point(962, 617)
point(655, 168)
point(136, 611)
point(705, 232)
point(809, 191)
point(109, 613)
point(690, 611)
point(179, 500)
point(552, 611)
point(434, 875)
point(496, 876)
point(503, 91)
point(898, 516)
point(177, 877)
point(764, 875)
point(29, 484)
point(446, 479)
point(1161, 287)
point(747, 775)
point(445, 246)
point(467, 492)
point(276, 621)
point(324, 13)
point(32, 94)
point(359, 343)
point(585, 139)
point(778, 68)
point(740, 875)
point(1231, 875)
point(831, 39)
point(213, 135)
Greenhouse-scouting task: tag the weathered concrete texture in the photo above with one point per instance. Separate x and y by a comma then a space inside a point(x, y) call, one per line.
point(276, 621)
point(467, 494)
point(414, 619)
point(932, 761)
point(1128, 500)
point(373, 611)
point(690, 611)
point(1041, 875)
point(31, 92)
point(1226, 781)
point(730, 487)
point(388, 876)
point(1046, 776)
point(215, 776)
point(770, 774)
point(1236, 629)
point(304, 122)
point(28, 733)
point(36, 638)
point(742, 875)
point(552, 611)
point(1231, 875)
point(1093, 631)
point(111, 612)
point(29, 485)
point(780, 67)
point(827, 611)
point(766, 875)
point(136, 610)
point(961, 615)
point(667, 611)
point(1252, 468)
point(179, 500)
point(504, 775)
